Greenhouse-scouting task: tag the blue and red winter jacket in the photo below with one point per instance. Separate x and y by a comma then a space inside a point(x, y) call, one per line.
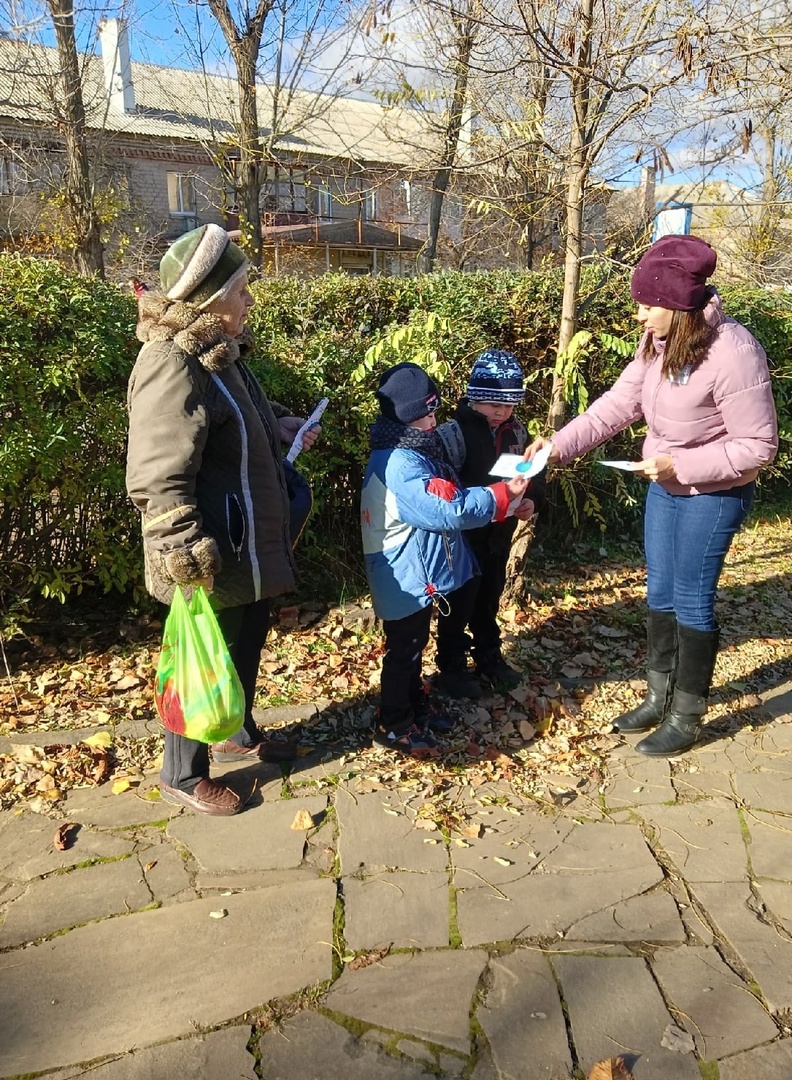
point(412, 519)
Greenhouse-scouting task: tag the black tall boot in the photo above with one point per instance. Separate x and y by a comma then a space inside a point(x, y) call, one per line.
point(661, 637)
point(698, 650)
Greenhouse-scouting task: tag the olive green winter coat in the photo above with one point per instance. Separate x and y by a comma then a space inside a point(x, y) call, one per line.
point(204, 461)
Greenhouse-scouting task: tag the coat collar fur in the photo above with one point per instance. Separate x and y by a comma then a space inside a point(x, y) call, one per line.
point(195, 332)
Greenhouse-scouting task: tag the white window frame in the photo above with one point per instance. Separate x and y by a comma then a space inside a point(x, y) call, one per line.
point(176, 193)
point(9, 175)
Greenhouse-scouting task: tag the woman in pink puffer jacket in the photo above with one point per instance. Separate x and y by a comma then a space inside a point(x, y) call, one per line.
point(700, 381)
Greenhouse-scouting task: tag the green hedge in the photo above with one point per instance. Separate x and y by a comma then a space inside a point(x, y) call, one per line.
point(67, 347)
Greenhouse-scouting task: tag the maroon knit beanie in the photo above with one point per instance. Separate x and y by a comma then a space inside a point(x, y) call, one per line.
point(673, 274)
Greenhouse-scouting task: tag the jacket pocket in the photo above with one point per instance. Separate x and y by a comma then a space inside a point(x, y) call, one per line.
point(449, 552)
point(236, 526)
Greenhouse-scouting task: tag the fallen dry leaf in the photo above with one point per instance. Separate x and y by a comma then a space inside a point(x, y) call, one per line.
point(612, 1069)
point(302, 821)
point(61, 841)
point(369, 958)
point(100, 740)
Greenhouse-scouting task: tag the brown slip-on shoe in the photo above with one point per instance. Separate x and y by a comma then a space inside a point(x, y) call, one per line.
point(273, 750)
point(207, 797)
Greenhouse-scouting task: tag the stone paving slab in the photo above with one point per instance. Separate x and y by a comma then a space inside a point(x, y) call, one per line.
point(778, 700)
point(765, 1063)
point(219, 1055)
point(765, 748)
point(759, 946)
point(26, 849)
point(166, 872)
point(713, 1003)
point(637, 780)
point(371, 839)
point(703, 840)
point(543, 905)
point(407, 910)
point(253, 879)
point(138, 980)
point(770, 848)
point(551, 899)
point(99, 806)
point(524, 841)
point(523, 986)
point(600, 849)
point(64, 900)
point(261, 838)
point(615, 1008)
point(651, 917)
point(777, 897)
point(313, 1047)
point(427, 995)
point(693, 782)
point(766, 790)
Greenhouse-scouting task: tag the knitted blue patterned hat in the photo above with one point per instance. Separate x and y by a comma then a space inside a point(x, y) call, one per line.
point(496, 377)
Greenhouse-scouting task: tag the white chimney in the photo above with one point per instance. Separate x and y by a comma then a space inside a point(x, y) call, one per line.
point(114, 42)
point(646, 190)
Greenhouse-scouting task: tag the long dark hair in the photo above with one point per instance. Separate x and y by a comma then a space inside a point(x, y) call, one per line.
point(688, 339)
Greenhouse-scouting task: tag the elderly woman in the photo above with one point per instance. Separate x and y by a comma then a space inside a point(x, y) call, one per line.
point(700, 381)
point(204, 469)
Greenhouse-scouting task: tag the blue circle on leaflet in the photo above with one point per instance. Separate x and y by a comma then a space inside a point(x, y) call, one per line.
point(524, 466)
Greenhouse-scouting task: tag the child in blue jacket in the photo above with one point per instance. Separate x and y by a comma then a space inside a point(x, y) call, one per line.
point(412, 514)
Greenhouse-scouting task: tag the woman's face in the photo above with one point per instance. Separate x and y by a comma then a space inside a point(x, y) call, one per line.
point(232, 309)
point(655, 319)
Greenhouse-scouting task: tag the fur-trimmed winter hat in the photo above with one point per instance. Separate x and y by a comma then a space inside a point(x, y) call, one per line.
point(673, 274)
point(406, 393)
point(496, 377)
point(201, 266)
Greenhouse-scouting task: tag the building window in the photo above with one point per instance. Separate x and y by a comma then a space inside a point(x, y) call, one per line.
point(320, 201)
point(181, 194)
point(9, 175)
point(284, 190)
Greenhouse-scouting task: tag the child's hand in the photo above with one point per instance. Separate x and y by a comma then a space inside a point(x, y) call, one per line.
point(517, 486)
point(525, 510)
point(537, 445)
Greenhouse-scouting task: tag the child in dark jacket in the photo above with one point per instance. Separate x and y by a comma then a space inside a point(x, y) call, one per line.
point(412, 514)
point(483, 428)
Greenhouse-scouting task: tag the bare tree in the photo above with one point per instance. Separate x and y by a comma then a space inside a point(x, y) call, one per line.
point(464, 25)
point(78, 189)
point(244, 41)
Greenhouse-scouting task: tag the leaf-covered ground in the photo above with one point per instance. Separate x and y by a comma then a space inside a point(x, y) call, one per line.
point(578, 636)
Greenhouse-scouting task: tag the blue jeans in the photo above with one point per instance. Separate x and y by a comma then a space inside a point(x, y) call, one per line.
point(686, 538)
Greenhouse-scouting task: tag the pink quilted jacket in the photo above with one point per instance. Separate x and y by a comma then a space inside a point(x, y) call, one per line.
point(719, 426)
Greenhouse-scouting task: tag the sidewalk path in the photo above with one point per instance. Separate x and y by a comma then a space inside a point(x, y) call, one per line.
point(652, 920)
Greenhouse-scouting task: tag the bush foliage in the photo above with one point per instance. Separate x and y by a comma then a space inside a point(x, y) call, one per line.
point(67, 347)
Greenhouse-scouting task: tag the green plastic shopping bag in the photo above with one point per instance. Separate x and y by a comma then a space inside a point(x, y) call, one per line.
point(197, 689)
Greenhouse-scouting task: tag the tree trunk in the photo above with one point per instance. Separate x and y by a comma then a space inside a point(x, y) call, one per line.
point(518, 560)
point(569, 302)
point(249, 156)
point(577, 175)
point(464, 47)
point(245, 44)
point(78, 189)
